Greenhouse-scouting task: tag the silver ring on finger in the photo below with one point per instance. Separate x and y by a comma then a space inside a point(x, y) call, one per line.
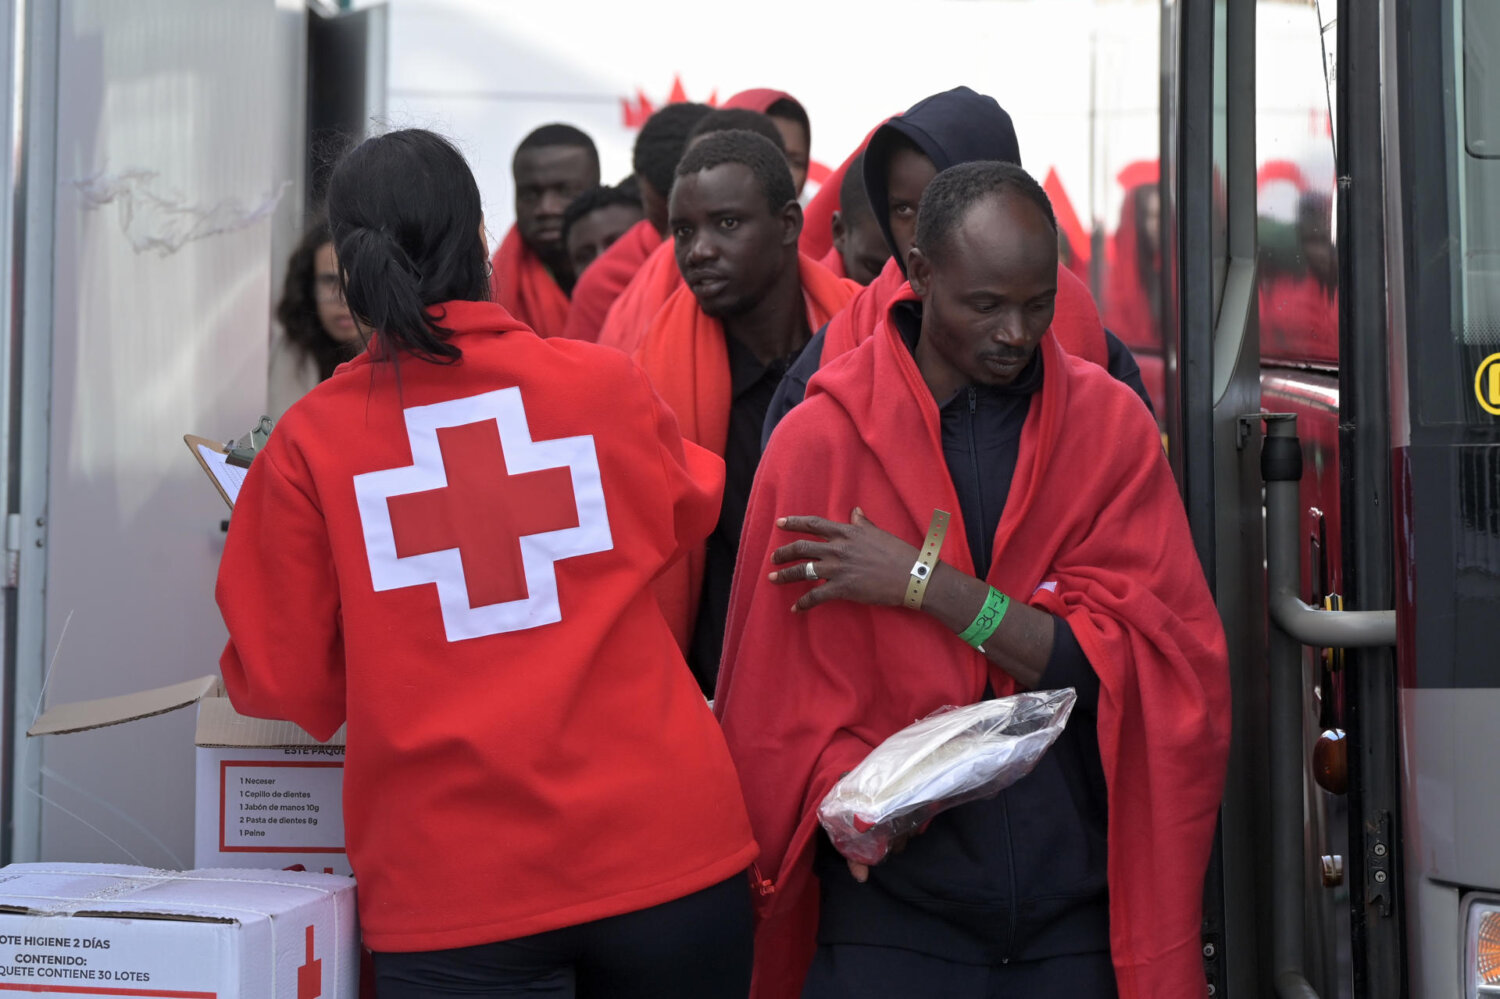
point(812, 571)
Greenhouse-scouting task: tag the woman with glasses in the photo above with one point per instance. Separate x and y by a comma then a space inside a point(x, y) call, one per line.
point(318, 330)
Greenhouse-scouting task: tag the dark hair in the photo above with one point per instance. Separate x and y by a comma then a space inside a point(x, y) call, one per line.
point(405, 214)
point(748, 149)
point(957, 189)
point(661, 142)
point(854, 203)
point(790, 110)
point(742, 120)
point(594, 199)
point(297, 311)
point(557, 134)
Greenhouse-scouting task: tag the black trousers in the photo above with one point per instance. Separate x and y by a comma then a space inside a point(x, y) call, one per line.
point(697, 947)
point(851, 971)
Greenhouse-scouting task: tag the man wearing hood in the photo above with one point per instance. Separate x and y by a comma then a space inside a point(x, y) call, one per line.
point(1068, 563)
point(900, 160)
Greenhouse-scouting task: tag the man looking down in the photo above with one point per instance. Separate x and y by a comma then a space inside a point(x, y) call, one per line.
point(718, 347)
point(532, 277)
point(1067, 563)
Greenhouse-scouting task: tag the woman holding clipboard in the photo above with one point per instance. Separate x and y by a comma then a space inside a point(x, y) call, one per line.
point(448, 546)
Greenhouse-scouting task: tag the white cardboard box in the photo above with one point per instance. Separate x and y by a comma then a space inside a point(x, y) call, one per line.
point(268, 794)
point(117, 932)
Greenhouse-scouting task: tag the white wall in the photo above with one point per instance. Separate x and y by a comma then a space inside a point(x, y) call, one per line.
point(167, 121)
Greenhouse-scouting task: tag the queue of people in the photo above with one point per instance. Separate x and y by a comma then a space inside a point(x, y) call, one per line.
point(616, 549)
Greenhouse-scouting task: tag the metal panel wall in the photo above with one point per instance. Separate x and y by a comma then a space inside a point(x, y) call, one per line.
point(170, 164)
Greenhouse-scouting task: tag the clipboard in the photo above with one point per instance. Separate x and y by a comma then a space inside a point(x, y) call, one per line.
point(213, 456)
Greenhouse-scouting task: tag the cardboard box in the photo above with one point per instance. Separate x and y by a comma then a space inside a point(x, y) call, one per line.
point(119, 932)
point(268, 794)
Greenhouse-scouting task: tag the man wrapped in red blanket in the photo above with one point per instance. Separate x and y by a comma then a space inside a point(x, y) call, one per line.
point(532, 277)
point(1067, 563)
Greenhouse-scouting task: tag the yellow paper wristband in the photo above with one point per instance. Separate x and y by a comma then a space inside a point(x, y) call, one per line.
point(921, 570)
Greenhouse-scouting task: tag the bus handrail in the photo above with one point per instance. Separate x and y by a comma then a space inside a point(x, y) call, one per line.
point(1325, 629)
point(1296, 624)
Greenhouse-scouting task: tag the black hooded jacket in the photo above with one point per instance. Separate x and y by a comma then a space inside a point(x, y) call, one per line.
point(956, 126)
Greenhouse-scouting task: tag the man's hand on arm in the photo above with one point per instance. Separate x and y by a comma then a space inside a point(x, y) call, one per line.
point(864, 564)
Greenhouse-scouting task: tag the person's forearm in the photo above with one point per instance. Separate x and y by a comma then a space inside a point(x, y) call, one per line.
point(1021, 645)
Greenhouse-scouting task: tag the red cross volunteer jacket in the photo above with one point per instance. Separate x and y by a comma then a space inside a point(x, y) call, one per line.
point(1093, 530)
point(457, 562)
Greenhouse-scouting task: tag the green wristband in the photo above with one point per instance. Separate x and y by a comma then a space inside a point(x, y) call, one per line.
point(987, 620)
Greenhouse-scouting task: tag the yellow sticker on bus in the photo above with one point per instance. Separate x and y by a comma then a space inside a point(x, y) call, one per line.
point(1487, 384)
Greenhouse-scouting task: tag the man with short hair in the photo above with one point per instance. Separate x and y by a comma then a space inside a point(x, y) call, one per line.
point(659, 278)
point(658, 147)
point(595, 221)
point(859, 244)
point(1067, 563)
point(718, 347)
point(552, 166)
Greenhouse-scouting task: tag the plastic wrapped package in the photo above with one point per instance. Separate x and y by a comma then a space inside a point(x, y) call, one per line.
point(953, 756)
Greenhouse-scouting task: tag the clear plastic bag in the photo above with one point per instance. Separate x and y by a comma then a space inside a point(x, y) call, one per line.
point(953, 756)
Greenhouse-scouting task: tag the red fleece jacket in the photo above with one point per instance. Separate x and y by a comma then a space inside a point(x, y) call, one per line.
point(458, 564)
point(1093, 509)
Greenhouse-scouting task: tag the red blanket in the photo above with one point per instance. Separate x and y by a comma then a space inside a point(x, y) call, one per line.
point(1075, 322)
point(853, 326)
point(604, 280)
point(687, 360)
point(628, 319)
point(1094, 510)
point(523, 285)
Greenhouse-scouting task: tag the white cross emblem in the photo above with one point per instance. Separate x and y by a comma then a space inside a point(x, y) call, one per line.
point(539, 552)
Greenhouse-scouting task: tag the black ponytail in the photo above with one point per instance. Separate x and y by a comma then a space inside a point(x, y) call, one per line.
point(405, 215)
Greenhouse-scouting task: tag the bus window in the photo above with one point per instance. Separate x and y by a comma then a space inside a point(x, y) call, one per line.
point(1477, 185)
point(1295, 188)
